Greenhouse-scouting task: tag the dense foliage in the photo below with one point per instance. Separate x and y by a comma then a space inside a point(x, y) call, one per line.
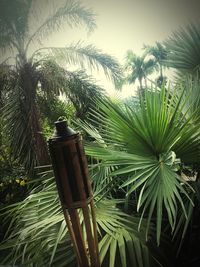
point(44, 72)
point(144, 154)
point(138, 154)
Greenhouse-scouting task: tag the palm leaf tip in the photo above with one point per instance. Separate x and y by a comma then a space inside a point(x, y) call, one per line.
point(78, 14)
point(121, 242)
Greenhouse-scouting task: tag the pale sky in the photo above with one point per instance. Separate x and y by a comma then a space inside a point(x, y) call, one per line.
point(128, 24)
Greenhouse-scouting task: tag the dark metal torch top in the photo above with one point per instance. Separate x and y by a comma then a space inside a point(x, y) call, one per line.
point(63, 131)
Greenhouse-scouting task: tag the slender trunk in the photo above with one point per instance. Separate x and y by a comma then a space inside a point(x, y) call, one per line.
point(40, 145)
point(161, 72)
point(145, 81)
point(140, 81)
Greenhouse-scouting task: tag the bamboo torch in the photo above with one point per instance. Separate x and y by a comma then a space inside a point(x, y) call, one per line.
point(71, 173)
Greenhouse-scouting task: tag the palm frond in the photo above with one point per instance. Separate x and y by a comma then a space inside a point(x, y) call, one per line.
point(13, 22)
point(89, 56)
point(22, 123)
point(98, 171)
point(184, 49)
point(77, 86)
point(71, 12)
point(38, 229)
point(191, 87)
point(52, 77)
point(185, 147)
point(17, 125)
point(40, 74)
point(158, 51)
point(141, 144)
point(80, 88)
point(122, 245)
point(38, 235)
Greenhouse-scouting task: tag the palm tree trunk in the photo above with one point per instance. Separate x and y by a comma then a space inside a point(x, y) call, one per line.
point(140, 81)
point(29, 84)
point(161, 71)
point(145, 80)
point(40, 145)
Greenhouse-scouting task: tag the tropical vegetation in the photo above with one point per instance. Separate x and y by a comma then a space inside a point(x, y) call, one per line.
point(143, 153)
point(43, 72)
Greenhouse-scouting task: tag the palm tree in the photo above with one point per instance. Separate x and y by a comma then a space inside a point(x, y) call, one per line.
point(159, 53)
point(138, 68)
point(40, 71)
point(142, 150)
point(184, 46)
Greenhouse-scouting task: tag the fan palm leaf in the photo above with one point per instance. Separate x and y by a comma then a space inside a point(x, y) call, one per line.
point(184, 49)
point(142, 144)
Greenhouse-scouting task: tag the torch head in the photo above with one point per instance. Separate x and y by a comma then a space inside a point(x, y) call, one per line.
point(62, 131)
point(70, 165)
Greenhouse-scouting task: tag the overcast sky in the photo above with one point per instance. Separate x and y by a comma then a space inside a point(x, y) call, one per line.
point(128, 24)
